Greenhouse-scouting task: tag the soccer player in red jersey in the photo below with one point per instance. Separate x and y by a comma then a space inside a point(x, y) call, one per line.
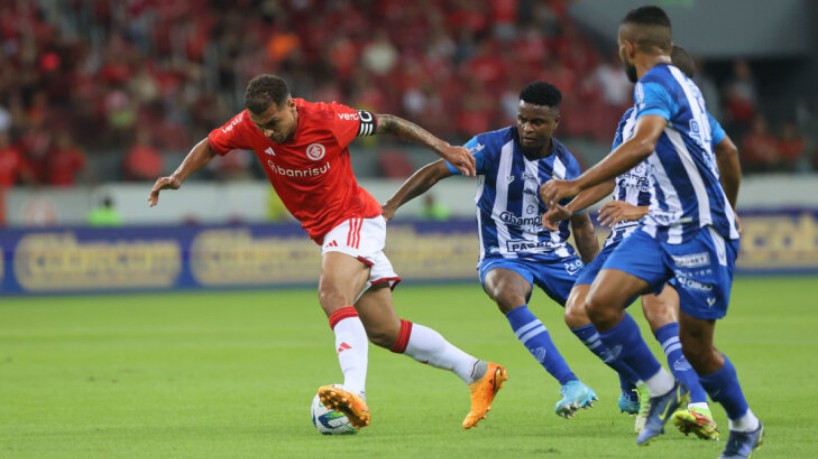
point(303, 147)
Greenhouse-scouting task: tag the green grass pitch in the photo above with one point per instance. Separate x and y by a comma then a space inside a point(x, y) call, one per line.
point(232, 374)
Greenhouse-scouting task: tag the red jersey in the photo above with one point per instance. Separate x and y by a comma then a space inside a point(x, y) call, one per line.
point(311, 171)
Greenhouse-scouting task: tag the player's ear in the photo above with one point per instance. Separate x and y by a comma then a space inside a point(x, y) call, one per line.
point(630, 49)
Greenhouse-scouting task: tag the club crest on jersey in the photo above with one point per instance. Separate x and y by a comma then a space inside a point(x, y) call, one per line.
point(316, 151)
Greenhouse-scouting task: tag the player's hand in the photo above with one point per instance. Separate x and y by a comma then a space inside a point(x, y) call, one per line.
point(555, 214)
point(388, 212)
point(616, 211)
point(460, 158)
point(553, 191)
point(739, 226)
point(163, 183)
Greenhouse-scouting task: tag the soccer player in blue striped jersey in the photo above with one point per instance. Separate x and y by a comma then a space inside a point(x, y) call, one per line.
point(631, 200)
point(690, 234)
point(516, 253)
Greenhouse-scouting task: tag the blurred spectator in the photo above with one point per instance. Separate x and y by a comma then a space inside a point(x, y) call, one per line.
point(143, 162)
point(104, 215)
point(477, 109)
point(5, 119)
point(13, 166)
point(741, 98)
point(276, 211)
point(792, 148)
point(434, 210)
point(179, 68)
point(66, 163)
point(613, 84)
point(235, 165)
point(759, 149)
point(379, 56)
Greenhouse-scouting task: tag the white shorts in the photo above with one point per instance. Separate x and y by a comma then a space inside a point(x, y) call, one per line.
point(364, 239)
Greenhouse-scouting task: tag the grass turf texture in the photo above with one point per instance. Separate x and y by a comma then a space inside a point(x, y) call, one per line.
point(232, 374)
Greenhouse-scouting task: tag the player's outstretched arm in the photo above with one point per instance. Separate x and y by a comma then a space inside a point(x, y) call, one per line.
point(729, 168)
point(200, 155)
point(457, 156)
point(585, 236)
point(419, 183)
point(626, 156)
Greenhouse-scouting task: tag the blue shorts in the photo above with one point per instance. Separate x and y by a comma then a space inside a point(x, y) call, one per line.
point(588, 274)
point(701, 269)
point(555, 276)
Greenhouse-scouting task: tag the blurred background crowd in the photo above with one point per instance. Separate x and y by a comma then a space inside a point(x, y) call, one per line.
point(95, 91)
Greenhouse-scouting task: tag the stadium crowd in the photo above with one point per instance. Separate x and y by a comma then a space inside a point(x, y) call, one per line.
point(84, 81)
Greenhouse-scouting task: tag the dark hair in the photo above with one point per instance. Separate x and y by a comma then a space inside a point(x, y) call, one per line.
point(647, 15)
point(264, 90)
point(683, 61)
point(652, 29)
point(541, 93)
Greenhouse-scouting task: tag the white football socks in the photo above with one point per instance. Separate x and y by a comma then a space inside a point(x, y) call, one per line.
point(352, 347)
point(747, 423)
point(660, 384)
point(428, 346)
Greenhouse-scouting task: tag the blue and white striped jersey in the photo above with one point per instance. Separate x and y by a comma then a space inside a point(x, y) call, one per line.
point(509, 208)
point(634, 186)
point(686, 194)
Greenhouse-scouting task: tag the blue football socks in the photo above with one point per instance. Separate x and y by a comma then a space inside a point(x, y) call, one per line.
point(723, 387)
point(668, 337)
point(534, 336)
point(625, 343)
point(590, 337)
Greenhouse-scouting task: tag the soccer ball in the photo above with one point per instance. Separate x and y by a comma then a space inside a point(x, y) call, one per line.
point(329, 422)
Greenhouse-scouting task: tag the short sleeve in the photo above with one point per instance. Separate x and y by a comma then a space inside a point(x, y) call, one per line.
point(226, 138)
point(476, 149)
point(716, 131)
point(653, 99)
point(349, 123)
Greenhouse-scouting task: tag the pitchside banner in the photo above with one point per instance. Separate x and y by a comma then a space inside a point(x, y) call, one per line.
point(62, 260)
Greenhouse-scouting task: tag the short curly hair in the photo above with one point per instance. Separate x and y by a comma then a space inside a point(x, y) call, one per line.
point(541, 93)
point(264, 90)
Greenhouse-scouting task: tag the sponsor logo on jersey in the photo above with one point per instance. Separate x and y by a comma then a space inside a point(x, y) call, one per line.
point(574, 266)
point(270, 151)
point(635, 181)
point(348, 116)
point(693, 260)
point(519, 245)
point(232, 124)
point(312, 172)
point(510, 219)
point(316, 151)
point(693, 285)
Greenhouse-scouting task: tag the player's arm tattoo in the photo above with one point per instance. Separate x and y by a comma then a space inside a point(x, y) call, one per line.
point(408, 131)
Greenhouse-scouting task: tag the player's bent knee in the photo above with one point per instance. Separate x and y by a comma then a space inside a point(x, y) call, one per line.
point(332, 299)
point(601, 314)
point(575, 315)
